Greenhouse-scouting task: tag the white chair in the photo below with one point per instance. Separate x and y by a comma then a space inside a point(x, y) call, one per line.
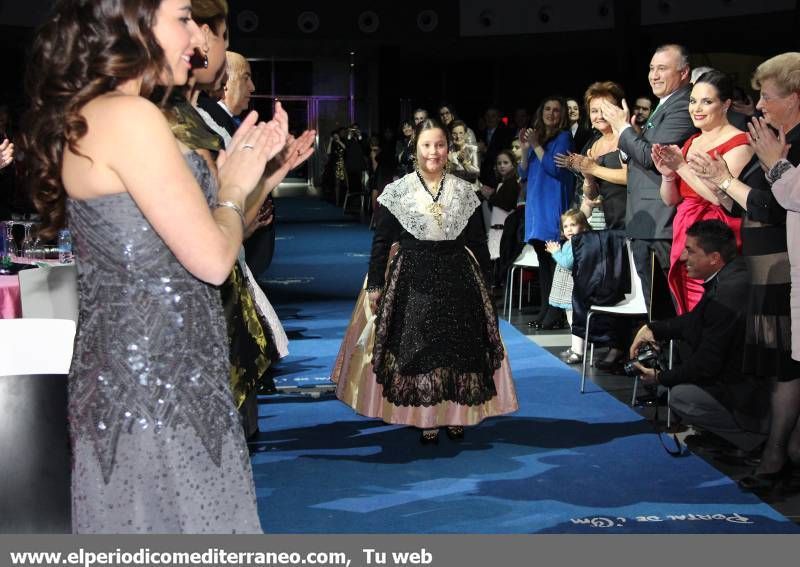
point(527, 260)
point(634, 304)
point(35, 346)
point(35, 356)
point(49, 292)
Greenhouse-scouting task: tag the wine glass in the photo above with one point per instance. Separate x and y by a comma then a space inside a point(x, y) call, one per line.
point(27, 242)
point(10, 245)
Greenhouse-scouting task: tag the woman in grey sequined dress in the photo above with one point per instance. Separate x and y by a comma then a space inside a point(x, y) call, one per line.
point(156, 438)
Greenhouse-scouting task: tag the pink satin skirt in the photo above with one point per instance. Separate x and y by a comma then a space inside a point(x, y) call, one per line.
point(357, 387)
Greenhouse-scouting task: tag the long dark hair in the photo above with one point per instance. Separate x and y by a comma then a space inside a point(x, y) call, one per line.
point(86, 48)
point(538, 120)
point(720, 81)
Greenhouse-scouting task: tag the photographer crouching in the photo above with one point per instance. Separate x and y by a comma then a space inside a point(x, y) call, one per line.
point(708, 390)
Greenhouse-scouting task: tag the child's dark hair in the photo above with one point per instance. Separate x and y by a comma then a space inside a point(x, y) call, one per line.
point(510, 155)
point(578, 216)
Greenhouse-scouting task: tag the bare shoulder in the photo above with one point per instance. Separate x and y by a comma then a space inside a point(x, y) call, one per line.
point(130, 113)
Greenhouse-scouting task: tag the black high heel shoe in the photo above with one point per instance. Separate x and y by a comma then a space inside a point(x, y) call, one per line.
point(559, 323)
point(766, 481)
point(456, 433)
point(429, 437)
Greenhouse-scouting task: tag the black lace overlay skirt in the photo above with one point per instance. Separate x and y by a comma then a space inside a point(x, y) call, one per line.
point(436, 333)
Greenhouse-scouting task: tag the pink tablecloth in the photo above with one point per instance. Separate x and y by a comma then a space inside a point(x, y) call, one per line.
point(10, 305)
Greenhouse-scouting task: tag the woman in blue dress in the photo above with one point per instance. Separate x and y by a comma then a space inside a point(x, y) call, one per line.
point(548, 190)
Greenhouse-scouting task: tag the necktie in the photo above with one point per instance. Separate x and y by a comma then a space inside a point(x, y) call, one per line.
point(650, 120)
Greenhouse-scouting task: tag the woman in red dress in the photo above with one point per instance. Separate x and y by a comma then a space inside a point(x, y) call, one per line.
point(708, 106)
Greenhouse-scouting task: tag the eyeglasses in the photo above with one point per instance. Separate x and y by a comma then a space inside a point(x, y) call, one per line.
point(768, 98)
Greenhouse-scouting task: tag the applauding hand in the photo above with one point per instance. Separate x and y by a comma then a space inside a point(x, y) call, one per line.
point(6, 153)
point(667, 159)
point(552, 247)
point(713, 169)
point(769, 148)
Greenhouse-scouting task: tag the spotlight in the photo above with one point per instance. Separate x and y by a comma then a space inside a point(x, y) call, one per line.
point(308, 22)
point(368, 22)
point(427, 20)
point(247, 21)
point(603, 10)
point(486, 18)
point(545, 14)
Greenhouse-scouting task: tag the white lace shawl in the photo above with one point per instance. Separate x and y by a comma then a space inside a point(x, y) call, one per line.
point(408, 201)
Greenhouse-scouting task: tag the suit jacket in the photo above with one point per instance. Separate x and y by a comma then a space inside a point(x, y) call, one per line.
point(260, 247)
point(581, 137)
point(216, 112)
point(647, 217)
point(715, 333)
point(601, 276)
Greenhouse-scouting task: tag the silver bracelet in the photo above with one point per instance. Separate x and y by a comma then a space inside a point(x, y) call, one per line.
point(777, 170)
point(235, 207)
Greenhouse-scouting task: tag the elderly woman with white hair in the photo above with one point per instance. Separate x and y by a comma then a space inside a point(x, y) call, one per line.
point(771, 244)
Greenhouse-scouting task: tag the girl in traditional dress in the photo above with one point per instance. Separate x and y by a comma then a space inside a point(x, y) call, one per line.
point(432, 355)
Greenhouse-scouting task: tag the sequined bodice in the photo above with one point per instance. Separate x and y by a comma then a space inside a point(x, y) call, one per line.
point(151, 349)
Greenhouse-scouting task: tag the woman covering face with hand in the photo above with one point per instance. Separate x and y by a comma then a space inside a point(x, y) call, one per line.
point(156, 441)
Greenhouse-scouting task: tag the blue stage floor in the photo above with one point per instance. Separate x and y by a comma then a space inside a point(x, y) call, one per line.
point(565, 463)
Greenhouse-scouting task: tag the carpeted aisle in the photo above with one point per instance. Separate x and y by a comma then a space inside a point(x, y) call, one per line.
point(565, 463)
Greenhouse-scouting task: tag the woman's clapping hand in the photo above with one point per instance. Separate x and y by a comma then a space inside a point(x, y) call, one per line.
point(714, 169)
point(769, 147)
point(667, 159)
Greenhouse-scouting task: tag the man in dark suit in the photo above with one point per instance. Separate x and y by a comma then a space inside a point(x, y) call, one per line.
point(708, 390)
point(497, 136)
point(648, 221)
point(259, 247)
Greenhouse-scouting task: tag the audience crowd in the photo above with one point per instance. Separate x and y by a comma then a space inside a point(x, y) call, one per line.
point(694, 181)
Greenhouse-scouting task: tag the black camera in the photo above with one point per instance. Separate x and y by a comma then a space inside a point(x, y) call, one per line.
point(647, 356)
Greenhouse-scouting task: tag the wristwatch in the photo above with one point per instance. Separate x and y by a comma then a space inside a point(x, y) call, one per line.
point(725, 184)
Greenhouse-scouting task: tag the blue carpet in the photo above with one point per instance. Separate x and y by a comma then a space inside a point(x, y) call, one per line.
point(565, 463)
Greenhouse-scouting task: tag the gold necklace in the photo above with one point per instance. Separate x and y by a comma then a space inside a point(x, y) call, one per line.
point(435, 208)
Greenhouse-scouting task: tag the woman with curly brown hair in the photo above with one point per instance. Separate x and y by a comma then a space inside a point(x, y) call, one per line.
point(156, 441)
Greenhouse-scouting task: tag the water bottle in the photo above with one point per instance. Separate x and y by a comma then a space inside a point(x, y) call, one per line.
point(64, 247)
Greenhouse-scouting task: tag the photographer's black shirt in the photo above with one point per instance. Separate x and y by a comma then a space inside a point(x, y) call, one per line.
point(714, 330)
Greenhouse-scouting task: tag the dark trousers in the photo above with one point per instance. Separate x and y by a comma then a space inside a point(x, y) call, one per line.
point(354, 180)
point(547, 266)
point(652, 263)
point(697, 407)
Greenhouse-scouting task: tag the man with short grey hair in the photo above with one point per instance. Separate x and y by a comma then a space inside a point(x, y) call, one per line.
point(648, 221)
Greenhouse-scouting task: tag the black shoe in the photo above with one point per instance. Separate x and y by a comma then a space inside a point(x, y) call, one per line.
point(708, 443)
point(612, 362)
point(456, 433)
point(766, 481)
point(429, 437)
point(739, 458)
point(559, 323)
